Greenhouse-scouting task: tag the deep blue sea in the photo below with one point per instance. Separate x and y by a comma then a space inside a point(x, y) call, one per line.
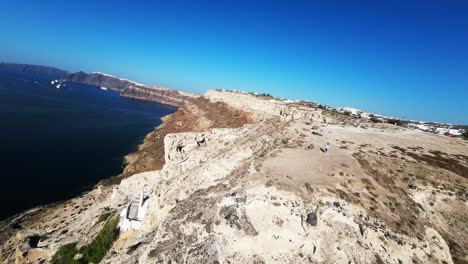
point(57, 143)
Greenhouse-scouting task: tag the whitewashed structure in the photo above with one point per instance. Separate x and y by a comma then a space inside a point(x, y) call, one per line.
point(132, 215)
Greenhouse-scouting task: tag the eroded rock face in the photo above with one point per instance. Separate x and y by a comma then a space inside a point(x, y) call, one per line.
point(199, 115)
point(267, 107)
point(259, 193)
point(157, 94)
point(131, 89)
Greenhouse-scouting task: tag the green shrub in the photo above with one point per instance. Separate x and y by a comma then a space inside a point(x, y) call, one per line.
point(465, 134)
point(374, 119)
point(395, 122)
point(266, 95)
point(93, 252)
point(97, 249)
point(104, 217)
point(65, 255)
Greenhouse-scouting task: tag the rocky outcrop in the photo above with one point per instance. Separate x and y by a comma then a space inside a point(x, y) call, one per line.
point(198, 115)
point(157, 94)
point(266, 107)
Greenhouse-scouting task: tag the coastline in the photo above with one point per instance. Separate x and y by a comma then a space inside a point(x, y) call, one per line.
point(34, 213)
point(107, 182)
point(38, 205)
point(188, 118)
point(116, 179)
point(199, 115)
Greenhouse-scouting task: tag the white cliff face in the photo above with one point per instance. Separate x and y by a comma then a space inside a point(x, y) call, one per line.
point(262, 108)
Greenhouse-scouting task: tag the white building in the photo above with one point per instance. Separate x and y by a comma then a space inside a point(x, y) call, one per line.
point(132, 215)
point(435, 129)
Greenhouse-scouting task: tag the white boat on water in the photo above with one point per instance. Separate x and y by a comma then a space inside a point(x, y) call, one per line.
point(103, 88)
point(58, 86)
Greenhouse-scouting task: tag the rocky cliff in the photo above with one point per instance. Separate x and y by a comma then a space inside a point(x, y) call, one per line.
point(258, 188)
point(198, 115)
point(157, 94)
point(98, 79)
point(132, 89)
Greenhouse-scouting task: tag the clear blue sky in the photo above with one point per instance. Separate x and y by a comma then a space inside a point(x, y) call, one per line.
point(397, 57)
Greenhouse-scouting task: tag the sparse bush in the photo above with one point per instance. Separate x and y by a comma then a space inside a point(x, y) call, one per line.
point(347, 112)
point(465, 134)
point(65, 255)
point(266, 95)
point(104, 217)
point(374, 119)
point(96, 250)
point(396, 122)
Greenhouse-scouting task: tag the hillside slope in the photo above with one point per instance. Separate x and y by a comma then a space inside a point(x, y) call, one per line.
point(259, 189)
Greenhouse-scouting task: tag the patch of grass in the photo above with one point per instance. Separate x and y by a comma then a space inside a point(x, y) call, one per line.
point(97, 249)
point(93, 252)
point(65, 255)
point(104, 217)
